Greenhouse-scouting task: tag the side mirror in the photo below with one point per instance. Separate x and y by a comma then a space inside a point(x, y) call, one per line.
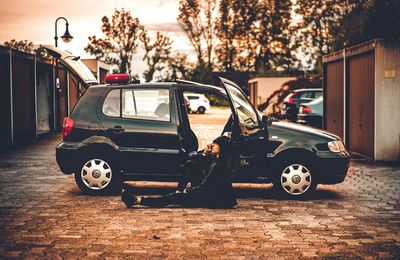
point(266, 120)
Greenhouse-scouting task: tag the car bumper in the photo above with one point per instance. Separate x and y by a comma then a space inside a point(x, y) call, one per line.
point(67, 156)
point(332, 167)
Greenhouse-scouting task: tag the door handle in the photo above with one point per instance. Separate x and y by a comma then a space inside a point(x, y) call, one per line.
point(117, 129)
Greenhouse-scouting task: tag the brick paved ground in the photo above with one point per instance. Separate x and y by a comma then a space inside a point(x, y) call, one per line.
point(43, 215)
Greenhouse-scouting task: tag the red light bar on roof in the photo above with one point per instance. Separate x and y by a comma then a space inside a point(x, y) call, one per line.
point(117, 79)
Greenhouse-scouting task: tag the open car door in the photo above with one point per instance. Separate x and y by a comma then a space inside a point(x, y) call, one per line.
point(248, 133)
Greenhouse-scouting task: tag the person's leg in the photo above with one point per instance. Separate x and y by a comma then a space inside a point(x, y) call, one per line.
point(192, 173)
point(182, 199)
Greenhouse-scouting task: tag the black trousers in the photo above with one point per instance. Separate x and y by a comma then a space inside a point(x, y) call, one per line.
point(180, 199)
point(191, 172)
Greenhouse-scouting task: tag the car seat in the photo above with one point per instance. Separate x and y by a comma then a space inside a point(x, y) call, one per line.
point(162, 111)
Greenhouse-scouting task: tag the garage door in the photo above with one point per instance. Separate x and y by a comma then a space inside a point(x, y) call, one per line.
point(360, 121)
point(333, 95)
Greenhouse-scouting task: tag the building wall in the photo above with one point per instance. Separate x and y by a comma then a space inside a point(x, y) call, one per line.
point(265, 87)
point(387, 104)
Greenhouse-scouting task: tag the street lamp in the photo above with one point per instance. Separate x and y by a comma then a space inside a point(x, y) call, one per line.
point(67, 37)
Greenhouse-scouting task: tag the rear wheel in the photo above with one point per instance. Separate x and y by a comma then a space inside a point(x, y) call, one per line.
point(295, 179)
point(98, 177)
point(201, 110)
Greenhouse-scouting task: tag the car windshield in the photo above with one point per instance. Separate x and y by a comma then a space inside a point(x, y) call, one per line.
point(246, 113)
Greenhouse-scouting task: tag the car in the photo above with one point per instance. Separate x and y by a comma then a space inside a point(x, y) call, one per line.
point(311, 113)
point(292, 102)
point(187, 104)
point(198, 102)
point(121, 131)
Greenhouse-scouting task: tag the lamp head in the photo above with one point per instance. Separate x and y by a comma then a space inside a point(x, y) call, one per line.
point(67, 37)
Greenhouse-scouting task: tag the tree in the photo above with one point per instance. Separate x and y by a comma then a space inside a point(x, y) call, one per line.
point(197, 20)
point(157, 53)
point(367, 20)
point(20, 45)
point(120, 42)
point(315, 35)
point(254, 35)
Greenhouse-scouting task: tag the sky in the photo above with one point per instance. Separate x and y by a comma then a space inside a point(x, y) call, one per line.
point(33, 20)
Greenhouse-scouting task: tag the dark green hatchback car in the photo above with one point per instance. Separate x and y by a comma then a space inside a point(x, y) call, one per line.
point(124, 131)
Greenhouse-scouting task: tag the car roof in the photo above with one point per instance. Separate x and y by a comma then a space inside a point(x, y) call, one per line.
point(307, 90)
point(187, 85)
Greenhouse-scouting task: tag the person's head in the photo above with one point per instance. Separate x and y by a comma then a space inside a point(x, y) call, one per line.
point(219, 145)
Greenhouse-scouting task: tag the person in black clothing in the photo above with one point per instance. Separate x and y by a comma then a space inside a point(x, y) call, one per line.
point(195, 169)
point(214, 191)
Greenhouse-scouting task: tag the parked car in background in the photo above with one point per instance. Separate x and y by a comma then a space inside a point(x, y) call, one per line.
point(198, 102)
point(292, 102)
point(311, 113)
point(187, 104)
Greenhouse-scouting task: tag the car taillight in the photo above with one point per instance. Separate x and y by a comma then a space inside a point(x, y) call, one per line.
point(187, 103)
point(68, 124)
point(306, 110)
point(291, 98)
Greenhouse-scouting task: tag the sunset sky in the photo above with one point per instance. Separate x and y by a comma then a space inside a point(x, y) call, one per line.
point(34, 21)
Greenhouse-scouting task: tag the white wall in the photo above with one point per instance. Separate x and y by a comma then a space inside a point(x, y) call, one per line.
point(387, 103)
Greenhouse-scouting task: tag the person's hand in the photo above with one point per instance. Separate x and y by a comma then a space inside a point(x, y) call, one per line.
point(208, 149)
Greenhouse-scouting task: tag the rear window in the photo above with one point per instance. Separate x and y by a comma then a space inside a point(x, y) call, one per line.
point(193, 97)
point(147, 104)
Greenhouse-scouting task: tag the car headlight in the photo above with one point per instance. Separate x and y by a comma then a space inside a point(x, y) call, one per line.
point(336, 146)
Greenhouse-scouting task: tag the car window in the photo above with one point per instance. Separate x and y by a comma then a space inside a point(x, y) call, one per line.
point(151, 104)
point(111, 105)
point(307, 95)
point(246, 113)
point(193, 97)
point(318, 94)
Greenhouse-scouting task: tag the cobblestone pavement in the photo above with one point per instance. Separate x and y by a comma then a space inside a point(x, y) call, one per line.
point(44, 215)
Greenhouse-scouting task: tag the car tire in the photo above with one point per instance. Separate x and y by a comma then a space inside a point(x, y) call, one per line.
point(98, 176)
point(201, 110)
point(295, 179)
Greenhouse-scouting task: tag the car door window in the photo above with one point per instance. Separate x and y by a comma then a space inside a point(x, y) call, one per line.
point(246, 113)
point(111, 105)
point(150, 104)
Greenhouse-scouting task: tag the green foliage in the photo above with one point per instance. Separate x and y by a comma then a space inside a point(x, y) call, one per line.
point(20, 45)
point(217, 101)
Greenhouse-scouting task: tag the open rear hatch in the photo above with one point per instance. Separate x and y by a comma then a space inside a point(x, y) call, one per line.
point(73, 64)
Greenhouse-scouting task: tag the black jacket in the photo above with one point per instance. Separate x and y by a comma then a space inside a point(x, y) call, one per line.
point(216, 189)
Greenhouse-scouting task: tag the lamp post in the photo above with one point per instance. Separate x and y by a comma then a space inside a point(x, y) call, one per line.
point(66, 37)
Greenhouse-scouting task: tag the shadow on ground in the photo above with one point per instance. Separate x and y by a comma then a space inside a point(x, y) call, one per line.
point(243, 191)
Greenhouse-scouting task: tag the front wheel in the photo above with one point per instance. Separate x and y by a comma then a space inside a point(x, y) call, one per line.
point(295, 179)
point(98, 177)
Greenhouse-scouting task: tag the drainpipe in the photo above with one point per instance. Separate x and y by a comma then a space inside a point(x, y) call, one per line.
point(344, 96)
point(11, 101)
point(36, 102)
point(68, 105)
